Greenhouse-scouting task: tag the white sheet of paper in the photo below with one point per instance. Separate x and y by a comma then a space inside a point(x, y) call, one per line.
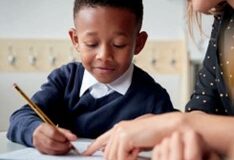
point(80, 145)
point(33, 154)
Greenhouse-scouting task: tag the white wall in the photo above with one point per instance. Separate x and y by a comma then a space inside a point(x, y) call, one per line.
point(163, 19)
point(53, 18)
point(197, 47)
point(35, 18)
point(10, 100)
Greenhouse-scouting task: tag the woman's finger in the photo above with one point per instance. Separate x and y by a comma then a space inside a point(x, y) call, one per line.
point(98, 144)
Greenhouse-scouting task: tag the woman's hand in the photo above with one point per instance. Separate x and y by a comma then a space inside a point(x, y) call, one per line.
point(127, 138)
point(51, 140)
point(183, 145)
point(179, 146)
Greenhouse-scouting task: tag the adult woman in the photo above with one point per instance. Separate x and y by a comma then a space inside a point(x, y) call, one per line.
point(213, 94)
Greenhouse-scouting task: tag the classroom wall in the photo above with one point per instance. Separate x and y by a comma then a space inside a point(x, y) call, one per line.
point(22, 19)
point(163, 19)
point(52, 19)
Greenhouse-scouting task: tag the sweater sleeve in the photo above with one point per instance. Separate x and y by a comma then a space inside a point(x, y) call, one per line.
point(163, 102)
point(49, 98)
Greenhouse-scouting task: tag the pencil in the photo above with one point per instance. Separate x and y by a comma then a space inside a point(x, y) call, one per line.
point(34, 107)
point(37, 109)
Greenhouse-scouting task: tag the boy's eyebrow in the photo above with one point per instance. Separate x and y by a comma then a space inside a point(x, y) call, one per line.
point(116, 33)
point(91, 33)
point(121, 33)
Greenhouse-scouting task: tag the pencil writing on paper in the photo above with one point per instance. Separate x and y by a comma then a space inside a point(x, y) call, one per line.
point(39, 112)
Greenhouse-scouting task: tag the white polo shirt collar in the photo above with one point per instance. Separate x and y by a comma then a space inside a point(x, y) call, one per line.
point(119, 85)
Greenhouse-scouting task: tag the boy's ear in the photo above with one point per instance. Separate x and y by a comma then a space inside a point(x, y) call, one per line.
point(74, 37)
point(140, 42)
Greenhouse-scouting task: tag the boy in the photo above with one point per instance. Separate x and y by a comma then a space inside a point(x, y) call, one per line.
point(88, 99)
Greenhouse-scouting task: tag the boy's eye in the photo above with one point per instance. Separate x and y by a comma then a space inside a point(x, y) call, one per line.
point(119, 45)
point(91, 45)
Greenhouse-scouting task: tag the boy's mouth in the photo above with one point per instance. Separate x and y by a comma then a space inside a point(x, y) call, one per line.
point(104, 69)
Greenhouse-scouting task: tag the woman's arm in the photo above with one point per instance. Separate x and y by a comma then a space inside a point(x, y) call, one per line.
point(127, 136)
point(201, 137)
point(217, 131)
point(186, 144)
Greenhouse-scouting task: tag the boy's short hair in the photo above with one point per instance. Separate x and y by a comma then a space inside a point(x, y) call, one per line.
point(135, 6)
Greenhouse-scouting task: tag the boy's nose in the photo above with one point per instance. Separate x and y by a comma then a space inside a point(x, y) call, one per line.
point(104, 53)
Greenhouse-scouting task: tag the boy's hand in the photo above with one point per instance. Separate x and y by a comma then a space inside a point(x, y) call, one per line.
point(50, 140)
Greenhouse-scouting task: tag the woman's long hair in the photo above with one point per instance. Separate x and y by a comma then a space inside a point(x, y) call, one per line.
point(195, 18)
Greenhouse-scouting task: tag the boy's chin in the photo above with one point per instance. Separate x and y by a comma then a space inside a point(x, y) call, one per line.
point(105, 80)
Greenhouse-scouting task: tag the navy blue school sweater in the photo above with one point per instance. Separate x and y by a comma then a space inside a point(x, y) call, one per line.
point(86, 116)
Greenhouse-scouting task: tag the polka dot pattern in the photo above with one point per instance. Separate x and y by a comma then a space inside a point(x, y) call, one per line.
point(211, 94)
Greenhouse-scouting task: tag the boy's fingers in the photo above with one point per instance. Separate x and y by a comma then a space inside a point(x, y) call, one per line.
point(48, 145)
point(98, 144)
point(68, 134)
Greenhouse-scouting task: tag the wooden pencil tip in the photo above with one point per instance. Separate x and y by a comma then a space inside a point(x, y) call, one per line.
point(14, 85)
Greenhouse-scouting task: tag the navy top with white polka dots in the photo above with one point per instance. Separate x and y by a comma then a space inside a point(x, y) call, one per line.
point(212, 93)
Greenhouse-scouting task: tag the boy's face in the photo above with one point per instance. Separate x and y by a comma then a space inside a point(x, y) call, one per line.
point(107, 39)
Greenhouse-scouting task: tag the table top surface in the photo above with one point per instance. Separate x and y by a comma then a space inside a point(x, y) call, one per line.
point(6, 145)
